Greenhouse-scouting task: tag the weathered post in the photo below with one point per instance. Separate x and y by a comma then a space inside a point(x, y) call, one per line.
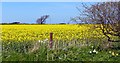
point(51, 40)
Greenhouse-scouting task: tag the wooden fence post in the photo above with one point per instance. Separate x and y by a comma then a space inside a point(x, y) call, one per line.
point(51, 40)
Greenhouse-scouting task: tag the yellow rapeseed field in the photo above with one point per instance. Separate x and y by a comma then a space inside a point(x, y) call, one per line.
point(22, 33)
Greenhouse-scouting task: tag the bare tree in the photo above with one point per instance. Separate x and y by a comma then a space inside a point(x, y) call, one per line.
point(106, 15)
point(42, 19)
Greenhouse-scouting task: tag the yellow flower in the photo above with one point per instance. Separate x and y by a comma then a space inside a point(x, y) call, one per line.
point(117, 54)
point(113, 53)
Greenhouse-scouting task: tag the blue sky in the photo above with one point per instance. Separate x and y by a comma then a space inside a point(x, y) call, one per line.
point(28, 12)
point(58, 0)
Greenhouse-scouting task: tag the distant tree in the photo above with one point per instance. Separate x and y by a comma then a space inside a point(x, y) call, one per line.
point(15, 23)
point(42, 19)
point(107, 15)
point(62, 23)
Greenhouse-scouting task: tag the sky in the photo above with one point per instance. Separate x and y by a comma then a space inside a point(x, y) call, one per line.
point(58, 0)
point(29, 12)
